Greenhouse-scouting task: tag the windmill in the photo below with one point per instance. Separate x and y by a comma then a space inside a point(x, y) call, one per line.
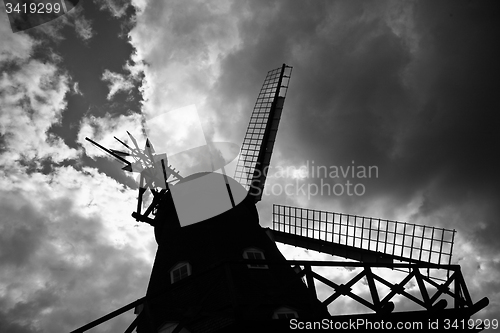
point(222, 272)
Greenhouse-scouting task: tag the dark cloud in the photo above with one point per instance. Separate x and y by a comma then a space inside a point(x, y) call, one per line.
point(268, 32)
point(86, 63)
point(7, 325)
point(15, 317)
point(450, 139)
point(422, 115)
point(409, 88)
point(21, 232)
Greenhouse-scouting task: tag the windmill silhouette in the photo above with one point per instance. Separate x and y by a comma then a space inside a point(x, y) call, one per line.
point(222, 271)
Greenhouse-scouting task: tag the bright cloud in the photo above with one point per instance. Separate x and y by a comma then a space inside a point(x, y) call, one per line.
point(117, 83)
point(83, 27)
point(182, 45)
point(104, 129)
point(32, 99)
point(13, 46)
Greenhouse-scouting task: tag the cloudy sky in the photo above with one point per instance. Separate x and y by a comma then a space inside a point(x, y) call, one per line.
point(407, 86)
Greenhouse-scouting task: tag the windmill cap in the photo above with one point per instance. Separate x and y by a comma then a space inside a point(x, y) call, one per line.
point(210, 157)
point(204, 195)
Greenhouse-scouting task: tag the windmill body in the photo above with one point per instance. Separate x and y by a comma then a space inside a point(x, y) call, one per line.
point(218, 290)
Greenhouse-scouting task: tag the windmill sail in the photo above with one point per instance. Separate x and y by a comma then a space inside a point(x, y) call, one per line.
point(362, 238)
point(260, 136)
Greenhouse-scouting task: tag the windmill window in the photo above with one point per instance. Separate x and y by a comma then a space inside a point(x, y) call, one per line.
point(285, 313)
point(180, 271)
point(254, 254)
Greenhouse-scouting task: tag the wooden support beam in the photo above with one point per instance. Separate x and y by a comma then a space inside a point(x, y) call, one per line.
point(445, 288)
point(422, 288)
point(344, 289)
point(310, 280)
point(398, 289)
point(465, 291)
point(373, 289)
point(134, 323)
point(109, 316)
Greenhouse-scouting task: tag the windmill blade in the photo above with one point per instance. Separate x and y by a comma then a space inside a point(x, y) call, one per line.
point(362, 238)
point(123, 143)
point(150, 146)
point(136, 153)
point(257, 148)
point(149, 151)
point(110, 152)
point(120, 153)
point(133, 140)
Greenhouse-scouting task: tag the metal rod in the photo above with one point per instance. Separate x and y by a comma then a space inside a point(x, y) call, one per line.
point(109, 316)
point(370, 233)
point(347, 230)
point(422, 245)
point(354, 239)
point(123, 143)
point(403, 240)
point(430, 249)
point(394, 239)
point(133, 325)
point(378, 234)
point(412, 240)
point(386, 233)
point(109, 151)
point(441, 248)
